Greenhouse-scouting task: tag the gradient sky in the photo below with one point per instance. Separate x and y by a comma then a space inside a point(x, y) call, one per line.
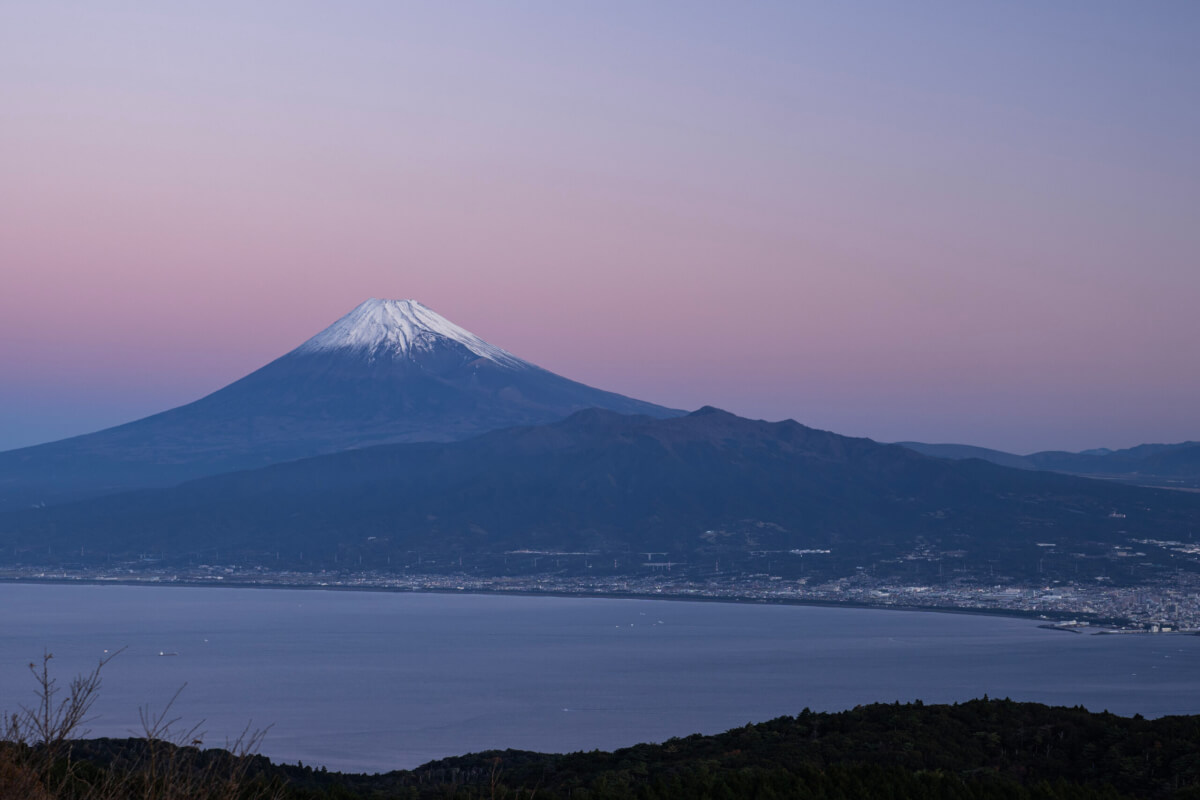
point(945, 221)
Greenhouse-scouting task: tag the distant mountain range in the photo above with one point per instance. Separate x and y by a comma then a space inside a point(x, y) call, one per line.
point(1168, 465)
point(389, 371)
point(395, 435)
point(705, 488)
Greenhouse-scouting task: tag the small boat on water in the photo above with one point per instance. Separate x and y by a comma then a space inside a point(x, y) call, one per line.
point(165, 653)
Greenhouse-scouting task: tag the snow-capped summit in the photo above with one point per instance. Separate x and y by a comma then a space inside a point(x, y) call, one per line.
point(389, 371)
point(401, 328)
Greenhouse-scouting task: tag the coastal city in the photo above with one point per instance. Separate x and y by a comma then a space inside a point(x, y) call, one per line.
point(1171, 606)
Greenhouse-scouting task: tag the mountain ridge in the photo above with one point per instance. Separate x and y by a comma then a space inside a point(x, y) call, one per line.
point(708, 486)
point(389, 371)
point(1172, 466)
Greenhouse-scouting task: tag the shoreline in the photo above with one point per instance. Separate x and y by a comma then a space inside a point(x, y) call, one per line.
point(1034, 616)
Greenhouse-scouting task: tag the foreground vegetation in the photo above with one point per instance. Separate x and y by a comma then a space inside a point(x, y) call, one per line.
point(41, 757)
point(977, 750)
point(980, 749)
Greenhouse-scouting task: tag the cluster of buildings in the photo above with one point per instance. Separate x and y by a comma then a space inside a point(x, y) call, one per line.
point(1172, 606)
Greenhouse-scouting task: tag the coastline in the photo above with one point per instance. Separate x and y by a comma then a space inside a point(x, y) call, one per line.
point(1024, 615)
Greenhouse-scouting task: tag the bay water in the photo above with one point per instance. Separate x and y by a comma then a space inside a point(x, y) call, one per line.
point(374, 681)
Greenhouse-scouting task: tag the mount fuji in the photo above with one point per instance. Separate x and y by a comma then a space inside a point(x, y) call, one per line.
point(389, 371)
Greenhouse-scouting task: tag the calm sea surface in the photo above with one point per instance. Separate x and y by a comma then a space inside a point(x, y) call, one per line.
point(375, 681)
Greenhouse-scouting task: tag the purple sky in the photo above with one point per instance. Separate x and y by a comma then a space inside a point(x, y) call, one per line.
point(944, 221)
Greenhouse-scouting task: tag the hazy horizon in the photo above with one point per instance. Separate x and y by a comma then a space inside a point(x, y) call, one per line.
point(122, 403)
point(942, 222)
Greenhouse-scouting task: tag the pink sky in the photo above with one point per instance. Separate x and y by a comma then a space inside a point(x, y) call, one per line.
point(971, 224)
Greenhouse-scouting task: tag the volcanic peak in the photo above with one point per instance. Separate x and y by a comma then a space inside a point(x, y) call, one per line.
point(401, 328)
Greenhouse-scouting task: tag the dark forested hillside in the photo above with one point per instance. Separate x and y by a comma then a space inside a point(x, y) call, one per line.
point(981, 749)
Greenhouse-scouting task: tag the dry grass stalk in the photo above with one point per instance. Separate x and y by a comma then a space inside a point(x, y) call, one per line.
point(38, 761)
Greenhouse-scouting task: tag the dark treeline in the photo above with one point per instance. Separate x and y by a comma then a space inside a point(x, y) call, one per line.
point(980, 750)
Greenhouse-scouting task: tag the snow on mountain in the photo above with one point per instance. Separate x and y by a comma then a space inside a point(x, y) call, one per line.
point(401, 328)
point(389, 371)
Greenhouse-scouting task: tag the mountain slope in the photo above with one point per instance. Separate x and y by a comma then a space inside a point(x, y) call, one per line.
point(389, 371)
point(1168, 465)
point(701, 488)
point(963, 451)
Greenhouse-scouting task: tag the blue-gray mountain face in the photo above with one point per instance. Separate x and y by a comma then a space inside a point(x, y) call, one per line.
point(389, 371)
point(1174, 466)
point(590, 492)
